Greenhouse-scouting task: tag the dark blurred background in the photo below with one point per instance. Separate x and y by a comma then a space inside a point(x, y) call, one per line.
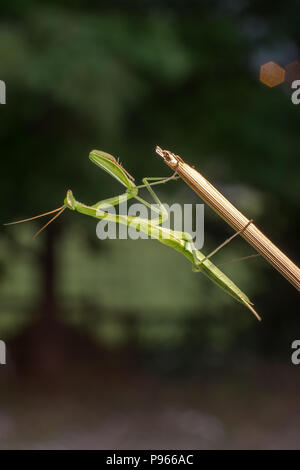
point(118, 344)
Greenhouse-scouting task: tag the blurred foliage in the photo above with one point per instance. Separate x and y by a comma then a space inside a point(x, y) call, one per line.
point(123, 77)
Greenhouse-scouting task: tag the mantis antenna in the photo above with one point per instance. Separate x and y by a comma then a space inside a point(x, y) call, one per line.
point(59, 210)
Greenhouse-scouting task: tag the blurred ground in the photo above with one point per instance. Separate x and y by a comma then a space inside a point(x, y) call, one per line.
point(249, 410)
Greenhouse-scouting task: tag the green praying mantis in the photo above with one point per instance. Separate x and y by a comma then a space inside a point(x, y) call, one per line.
point(180, 241)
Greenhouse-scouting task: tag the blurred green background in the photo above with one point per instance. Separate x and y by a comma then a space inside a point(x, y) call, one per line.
point(118, 344)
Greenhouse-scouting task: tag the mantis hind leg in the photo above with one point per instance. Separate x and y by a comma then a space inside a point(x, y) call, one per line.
point(197, 266)
point(228, 240)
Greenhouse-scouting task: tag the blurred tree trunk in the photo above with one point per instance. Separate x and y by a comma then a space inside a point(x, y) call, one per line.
point(47, 268)
point(42, 345)
point(51, 338)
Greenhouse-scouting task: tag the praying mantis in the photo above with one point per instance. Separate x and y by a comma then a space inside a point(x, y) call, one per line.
point(182, 242)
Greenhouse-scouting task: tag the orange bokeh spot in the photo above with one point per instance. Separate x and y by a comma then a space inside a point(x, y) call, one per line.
point(271, 74)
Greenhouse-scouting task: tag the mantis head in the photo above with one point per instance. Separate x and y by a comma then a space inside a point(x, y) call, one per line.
point(69, 201)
